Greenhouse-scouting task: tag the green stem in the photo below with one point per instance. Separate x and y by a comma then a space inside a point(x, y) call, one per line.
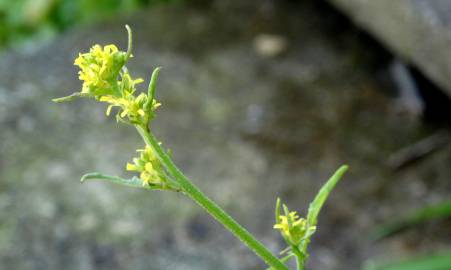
point(300, 264)
point(300, 258)
point(211, 207)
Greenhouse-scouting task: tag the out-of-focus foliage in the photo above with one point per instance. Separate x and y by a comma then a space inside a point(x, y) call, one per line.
point(432, 262)
point(437, 211)
point(22, 20)
point(440, 261)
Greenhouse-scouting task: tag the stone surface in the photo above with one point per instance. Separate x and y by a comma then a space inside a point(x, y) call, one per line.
point(245, 127)
point(419, 31)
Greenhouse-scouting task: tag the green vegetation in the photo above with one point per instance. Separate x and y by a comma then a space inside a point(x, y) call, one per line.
point(106, 79)
point(432, 262)
point(23, 20)
point(418, 216)
point(437, 261)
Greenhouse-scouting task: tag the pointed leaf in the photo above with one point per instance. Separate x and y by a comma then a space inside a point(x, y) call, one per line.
point(70, 97)
point(130, 41)
point(318, 202)
point(153, 84)
point(132, 182)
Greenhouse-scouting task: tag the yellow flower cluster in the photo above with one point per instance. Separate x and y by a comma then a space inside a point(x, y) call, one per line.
point(293, 228)
point(105, 78)
point(149, 167)
point(133, 107)
point(100, 69)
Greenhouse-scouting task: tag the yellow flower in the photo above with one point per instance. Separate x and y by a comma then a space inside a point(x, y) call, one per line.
point(100, 70)
point(131, 106)
point(293, 228)
point(127, 84)
point(148, 166)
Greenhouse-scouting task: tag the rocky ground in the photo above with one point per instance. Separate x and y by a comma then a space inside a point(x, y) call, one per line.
point(258, 102)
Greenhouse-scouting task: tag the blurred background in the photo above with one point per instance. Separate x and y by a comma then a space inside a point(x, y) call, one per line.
point(260, 99)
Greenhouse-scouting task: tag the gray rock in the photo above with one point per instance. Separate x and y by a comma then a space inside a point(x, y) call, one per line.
point(245, 127)
point(417, 30)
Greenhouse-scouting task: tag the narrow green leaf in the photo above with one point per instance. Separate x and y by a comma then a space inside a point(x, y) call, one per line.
point(153, 83)
point(437, 211)
point(277, 211)
point(130, 41)
point(68, 98)
point(132, 182)
point(432, 262)
point(318, 202)
point(151, 90)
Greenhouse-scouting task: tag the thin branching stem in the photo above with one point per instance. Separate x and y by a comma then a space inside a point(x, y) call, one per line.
point(208, 205)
